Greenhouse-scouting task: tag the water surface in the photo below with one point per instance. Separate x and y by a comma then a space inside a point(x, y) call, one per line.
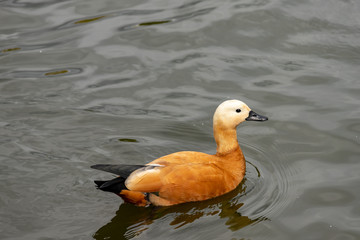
point(90, 82)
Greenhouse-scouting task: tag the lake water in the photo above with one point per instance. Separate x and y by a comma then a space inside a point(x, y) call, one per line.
point(86, 82)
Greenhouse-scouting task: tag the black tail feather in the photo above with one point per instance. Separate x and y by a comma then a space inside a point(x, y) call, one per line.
point(99, 183)
point(117, 184)
point(114, 185)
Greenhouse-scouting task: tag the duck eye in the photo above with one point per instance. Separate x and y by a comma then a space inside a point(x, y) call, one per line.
point(238, 110)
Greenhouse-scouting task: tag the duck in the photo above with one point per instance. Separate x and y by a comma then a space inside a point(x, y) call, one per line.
point(186, 176)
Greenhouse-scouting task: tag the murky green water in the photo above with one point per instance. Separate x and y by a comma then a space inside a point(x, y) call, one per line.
point(85, 82)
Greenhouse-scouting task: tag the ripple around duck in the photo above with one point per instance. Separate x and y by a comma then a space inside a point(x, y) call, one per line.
point(262, 195)
point(266, 183)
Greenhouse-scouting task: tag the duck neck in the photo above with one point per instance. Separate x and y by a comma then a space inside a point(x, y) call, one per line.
point(226, 139)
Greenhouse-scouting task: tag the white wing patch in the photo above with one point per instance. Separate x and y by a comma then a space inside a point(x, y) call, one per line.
point(155, 165)
point(138, 175)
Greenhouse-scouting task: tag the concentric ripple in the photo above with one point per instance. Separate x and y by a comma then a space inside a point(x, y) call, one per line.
point(263, 194)
point(266, 183)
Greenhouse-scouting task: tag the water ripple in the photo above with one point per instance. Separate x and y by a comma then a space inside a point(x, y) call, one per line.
point(89, 19)
point(22, 4)
point(269, 180)
point(44, 73)
point(167, 20)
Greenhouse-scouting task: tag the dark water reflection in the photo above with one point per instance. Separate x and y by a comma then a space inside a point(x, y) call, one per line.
point(139, 219)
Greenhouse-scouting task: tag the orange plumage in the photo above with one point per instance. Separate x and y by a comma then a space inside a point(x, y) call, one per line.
point(187, 176)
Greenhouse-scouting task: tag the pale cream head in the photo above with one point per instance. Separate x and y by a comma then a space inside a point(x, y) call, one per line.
point(231, 113)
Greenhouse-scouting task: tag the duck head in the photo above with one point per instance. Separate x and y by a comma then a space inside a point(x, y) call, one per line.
point(231, 113)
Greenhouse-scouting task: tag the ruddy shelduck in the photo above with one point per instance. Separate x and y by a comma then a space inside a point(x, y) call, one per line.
point(187, 176)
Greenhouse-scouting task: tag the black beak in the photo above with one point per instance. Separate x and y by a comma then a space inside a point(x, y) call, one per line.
point(253, 116)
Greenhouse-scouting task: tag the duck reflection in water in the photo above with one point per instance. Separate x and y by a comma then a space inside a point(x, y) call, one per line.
point(131, 221)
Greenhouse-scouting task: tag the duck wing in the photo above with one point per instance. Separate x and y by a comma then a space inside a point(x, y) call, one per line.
point(123, 170)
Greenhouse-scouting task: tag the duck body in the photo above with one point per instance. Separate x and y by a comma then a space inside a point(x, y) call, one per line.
point(187, 176)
